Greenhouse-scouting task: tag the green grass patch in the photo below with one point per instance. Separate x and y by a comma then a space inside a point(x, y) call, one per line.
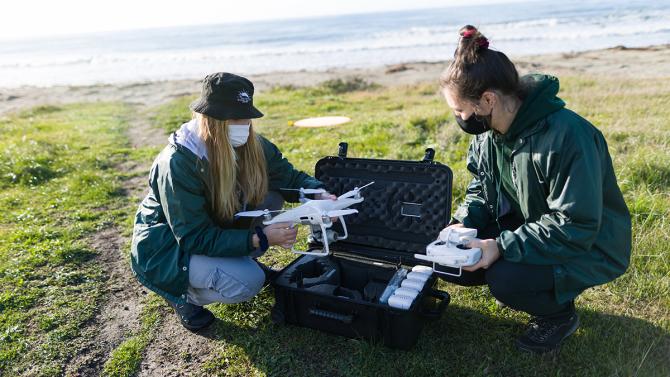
point(59, 183)
point(56, 178)
point(625, 328)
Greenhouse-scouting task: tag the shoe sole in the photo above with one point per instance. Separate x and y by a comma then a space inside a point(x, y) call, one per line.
point(542, 350)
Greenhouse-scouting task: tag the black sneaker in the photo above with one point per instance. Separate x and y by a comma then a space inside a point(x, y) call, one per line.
point(193, 317)
point(545, 334)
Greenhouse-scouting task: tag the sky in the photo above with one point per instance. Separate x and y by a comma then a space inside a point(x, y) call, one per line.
point(42, 18)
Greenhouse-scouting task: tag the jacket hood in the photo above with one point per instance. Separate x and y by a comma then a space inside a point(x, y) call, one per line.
point(539, 101)
point(187, 136)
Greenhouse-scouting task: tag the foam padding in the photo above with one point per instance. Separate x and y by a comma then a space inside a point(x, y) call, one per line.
point(403, 211)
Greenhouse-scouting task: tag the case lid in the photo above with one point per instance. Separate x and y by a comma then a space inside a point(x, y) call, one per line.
point(403, 211)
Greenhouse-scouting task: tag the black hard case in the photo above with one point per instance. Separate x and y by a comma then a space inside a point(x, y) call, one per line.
point(403, 211)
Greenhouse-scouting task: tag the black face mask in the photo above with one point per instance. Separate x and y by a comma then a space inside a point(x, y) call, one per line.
point(475, 124)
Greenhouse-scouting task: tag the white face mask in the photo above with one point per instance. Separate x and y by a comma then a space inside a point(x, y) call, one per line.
point(238, 134)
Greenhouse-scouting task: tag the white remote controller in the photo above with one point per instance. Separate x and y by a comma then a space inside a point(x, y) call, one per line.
point(448, 250)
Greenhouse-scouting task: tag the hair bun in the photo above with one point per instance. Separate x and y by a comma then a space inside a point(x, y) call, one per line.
point(471, 45)
point(482, 42)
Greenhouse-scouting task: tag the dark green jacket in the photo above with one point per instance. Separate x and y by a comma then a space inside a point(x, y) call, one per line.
point(173, 221)
point(561, 173)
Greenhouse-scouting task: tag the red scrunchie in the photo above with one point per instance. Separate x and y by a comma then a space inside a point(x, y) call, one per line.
point(469, 33)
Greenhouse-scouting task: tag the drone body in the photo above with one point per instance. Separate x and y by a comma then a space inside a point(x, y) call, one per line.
point(316, 208)
point(317, 213)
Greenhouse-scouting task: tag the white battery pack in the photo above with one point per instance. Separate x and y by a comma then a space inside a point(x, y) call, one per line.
point(423, 270)
point(407, 292)
point(418, 276)
point(400, 302)
point(413, 284)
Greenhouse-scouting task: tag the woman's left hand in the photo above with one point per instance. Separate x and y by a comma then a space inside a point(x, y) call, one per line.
point(490, 253)
point(328, 196)
point(325, 196)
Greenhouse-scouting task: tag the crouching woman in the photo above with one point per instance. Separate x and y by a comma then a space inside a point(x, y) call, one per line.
point(544, 197)
point(187, 245)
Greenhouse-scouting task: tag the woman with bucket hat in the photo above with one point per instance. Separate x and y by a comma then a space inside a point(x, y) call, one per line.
point(187, 245)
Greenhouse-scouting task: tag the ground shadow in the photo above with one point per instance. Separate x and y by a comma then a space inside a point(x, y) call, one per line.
point(462, 342)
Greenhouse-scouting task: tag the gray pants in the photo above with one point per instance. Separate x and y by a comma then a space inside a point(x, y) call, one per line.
point(228, 280)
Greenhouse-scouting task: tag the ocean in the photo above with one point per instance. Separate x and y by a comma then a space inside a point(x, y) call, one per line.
point(358, 40)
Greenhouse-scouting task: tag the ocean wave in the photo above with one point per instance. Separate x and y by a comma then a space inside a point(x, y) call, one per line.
point(346, 41)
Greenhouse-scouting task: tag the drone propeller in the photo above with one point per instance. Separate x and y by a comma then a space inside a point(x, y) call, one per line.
point(306, 191)
point(257, 213)
point(341, 212)
point(353, 192)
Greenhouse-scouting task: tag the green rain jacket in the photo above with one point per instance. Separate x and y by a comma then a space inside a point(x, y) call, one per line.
point(173, 220)
point(560, 172)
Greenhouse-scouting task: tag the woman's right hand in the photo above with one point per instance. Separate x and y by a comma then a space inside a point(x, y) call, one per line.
point(282, 234)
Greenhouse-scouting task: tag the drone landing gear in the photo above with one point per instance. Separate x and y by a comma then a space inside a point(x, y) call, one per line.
point(317, 234)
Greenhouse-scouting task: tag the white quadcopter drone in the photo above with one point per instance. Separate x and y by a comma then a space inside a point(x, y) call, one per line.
point(448, 250)
point(316, 213)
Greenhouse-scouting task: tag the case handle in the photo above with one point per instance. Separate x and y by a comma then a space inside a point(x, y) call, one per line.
point(444, 299)
point(344, 318)
point(429, 155)
point(342, 151)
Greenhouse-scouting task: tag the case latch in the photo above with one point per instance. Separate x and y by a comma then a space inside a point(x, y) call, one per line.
point(429, 155)
point(342, 151)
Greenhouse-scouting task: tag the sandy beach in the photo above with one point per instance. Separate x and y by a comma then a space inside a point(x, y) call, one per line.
point(645, 62)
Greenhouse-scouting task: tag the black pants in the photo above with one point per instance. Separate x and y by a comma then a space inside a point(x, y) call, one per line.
point(524, 287)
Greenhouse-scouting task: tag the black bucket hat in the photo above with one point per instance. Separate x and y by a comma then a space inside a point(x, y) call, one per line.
point(226, 96)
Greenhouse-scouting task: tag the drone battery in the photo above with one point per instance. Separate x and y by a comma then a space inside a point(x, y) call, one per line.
point(412, 284)
point(406, 208)
point(423, 270)
point(418, 276)
point(407, 292)
point(400, 302)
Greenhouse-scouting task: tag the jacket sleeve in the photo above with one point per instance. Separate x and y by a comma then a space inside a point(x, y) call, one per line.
point(284, 175)
point(472, 213)
point(575, 202)
point(182, 197)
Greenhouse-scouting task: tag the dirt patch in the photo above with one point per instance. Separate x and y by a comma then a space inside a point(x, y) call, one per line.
point(142, 134)
point(176, 351)
point(119, 313)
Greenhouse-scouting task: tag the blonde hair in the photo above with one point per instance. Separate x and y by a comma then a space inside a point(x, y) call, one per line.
point(232, 170)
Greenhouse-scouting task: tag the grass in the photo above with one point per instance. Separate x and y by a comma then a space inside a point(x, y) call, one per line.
point(58, 186)
point(54, 184)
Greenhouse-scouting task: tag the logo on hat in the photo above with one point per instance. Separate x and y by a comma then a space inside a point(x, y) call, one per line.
point(243, 97)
